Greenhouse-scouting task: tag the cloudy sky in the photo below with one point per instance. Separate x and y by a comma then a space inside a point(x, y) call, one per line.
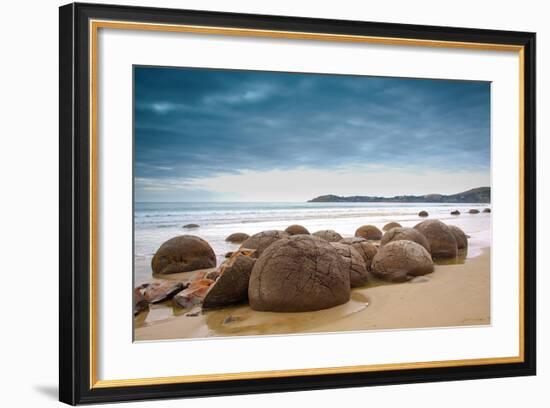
point(223, 135)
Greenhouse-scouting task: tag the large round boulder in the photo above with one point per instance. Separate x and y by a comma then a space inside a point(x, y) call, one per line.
point(441, 239)
point(260, 241)
point(296, 230)
point(369, 232)
point(237, 237)
point(298, 274)
point(183, 254)
point(405, 234)
point(328, 235)
point(231, 287)
point(366, 249)
point(391, 225)
point(354, 264)
point(460, 236)
point(400, 261)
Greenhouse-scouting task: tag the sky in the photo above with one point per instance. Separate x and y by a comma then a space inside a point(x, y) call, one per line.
point(234, 135)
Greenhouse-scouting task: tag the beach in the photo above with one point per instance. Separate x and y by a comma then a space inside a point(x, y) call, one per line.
point(457, 293)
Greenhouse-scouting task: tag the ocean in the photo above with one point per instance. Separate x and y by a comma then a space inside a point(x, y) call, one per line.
point(155, 223)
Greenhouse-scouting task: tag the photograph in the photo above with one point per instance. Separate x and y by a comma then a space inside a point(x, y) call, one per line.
point(284, 203)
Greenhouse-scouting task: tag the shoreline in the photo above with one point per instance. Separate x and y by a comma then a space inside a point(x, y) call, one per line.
point(453, 295)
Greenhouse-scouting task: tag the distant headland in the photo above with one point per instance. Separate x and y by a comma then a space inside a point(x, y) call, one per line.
point(475, 195)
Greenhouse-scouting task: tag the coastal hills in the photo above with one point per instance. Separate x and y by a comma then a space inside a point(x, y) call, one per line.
point(475, 195)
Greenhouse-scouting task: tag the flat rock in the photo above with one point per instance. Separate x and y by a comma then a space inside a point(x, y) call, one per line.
point(194, 294)
point(161, 290)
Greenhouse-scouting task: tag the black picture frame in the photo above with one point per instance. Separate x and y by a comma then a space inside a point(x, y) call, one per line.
point(74, 196)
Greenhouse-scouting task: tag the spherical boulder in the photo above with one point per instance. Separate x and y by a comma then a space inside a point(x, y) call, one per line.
point(260, 241)
point(441, 239)
point(474, 211)
point(486, 210)
point(298, 274)
point(460, 236)
point(400, 261)
point(354, 263)
point(366, 249)
point(423, 213)
point(455, 212)
point(237, 237)
point(328, 235)
point(231, 287)
point(369, 232)
point(183, 254)
point(391, 225)
point(408, 234)
point(296, 230)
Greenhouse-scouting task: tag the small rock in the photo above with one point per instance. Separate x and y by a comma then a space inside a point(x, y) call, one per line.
point(474, 211)
point(391, 225)
point(486, 210)
point(328, 235)
point(455, 212)
point(297, 230)
point(423, 213)
point(260, 241)
point(237, 237)
point(228, 254)
point(191, 226)
point(214, 275)
point(196, 311)
point(369, 232)
point(410, 234)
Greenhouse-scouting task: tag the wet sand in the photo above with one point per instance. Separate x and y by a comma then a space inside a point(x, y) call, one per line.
point(453, 295)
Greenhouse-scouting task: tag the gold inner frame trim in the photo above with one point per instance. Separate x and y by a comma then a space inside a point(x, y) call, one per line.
point(95, 25)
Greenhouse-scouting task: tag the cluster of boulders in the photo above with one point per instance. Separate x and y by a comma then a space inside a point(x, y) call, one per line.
point(293, 270)
point(424, 213)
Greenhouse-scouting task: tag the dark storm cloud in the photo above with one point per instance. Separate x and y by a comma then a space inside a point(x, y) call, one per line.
point(193, 123)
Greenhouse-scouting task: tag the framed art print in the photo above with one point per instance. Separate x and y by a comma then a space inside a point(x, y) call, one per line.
point(258, 203)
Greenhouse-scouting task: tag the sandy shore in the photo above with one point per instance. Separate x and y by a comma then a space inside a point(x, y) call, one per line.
point(453, 295)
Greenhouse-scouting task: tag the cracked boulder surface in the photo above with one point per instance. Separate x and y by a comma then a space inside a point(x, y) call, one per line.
point(328, 235)
point(442, 241)
point(366, 249)
point(183, 254)
point(354, 264)
point(298, 274)
point(260, 241)
point(460, 236)
point(400, 261)
point(406, 234)
point(231, 287)
point(370, 232)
